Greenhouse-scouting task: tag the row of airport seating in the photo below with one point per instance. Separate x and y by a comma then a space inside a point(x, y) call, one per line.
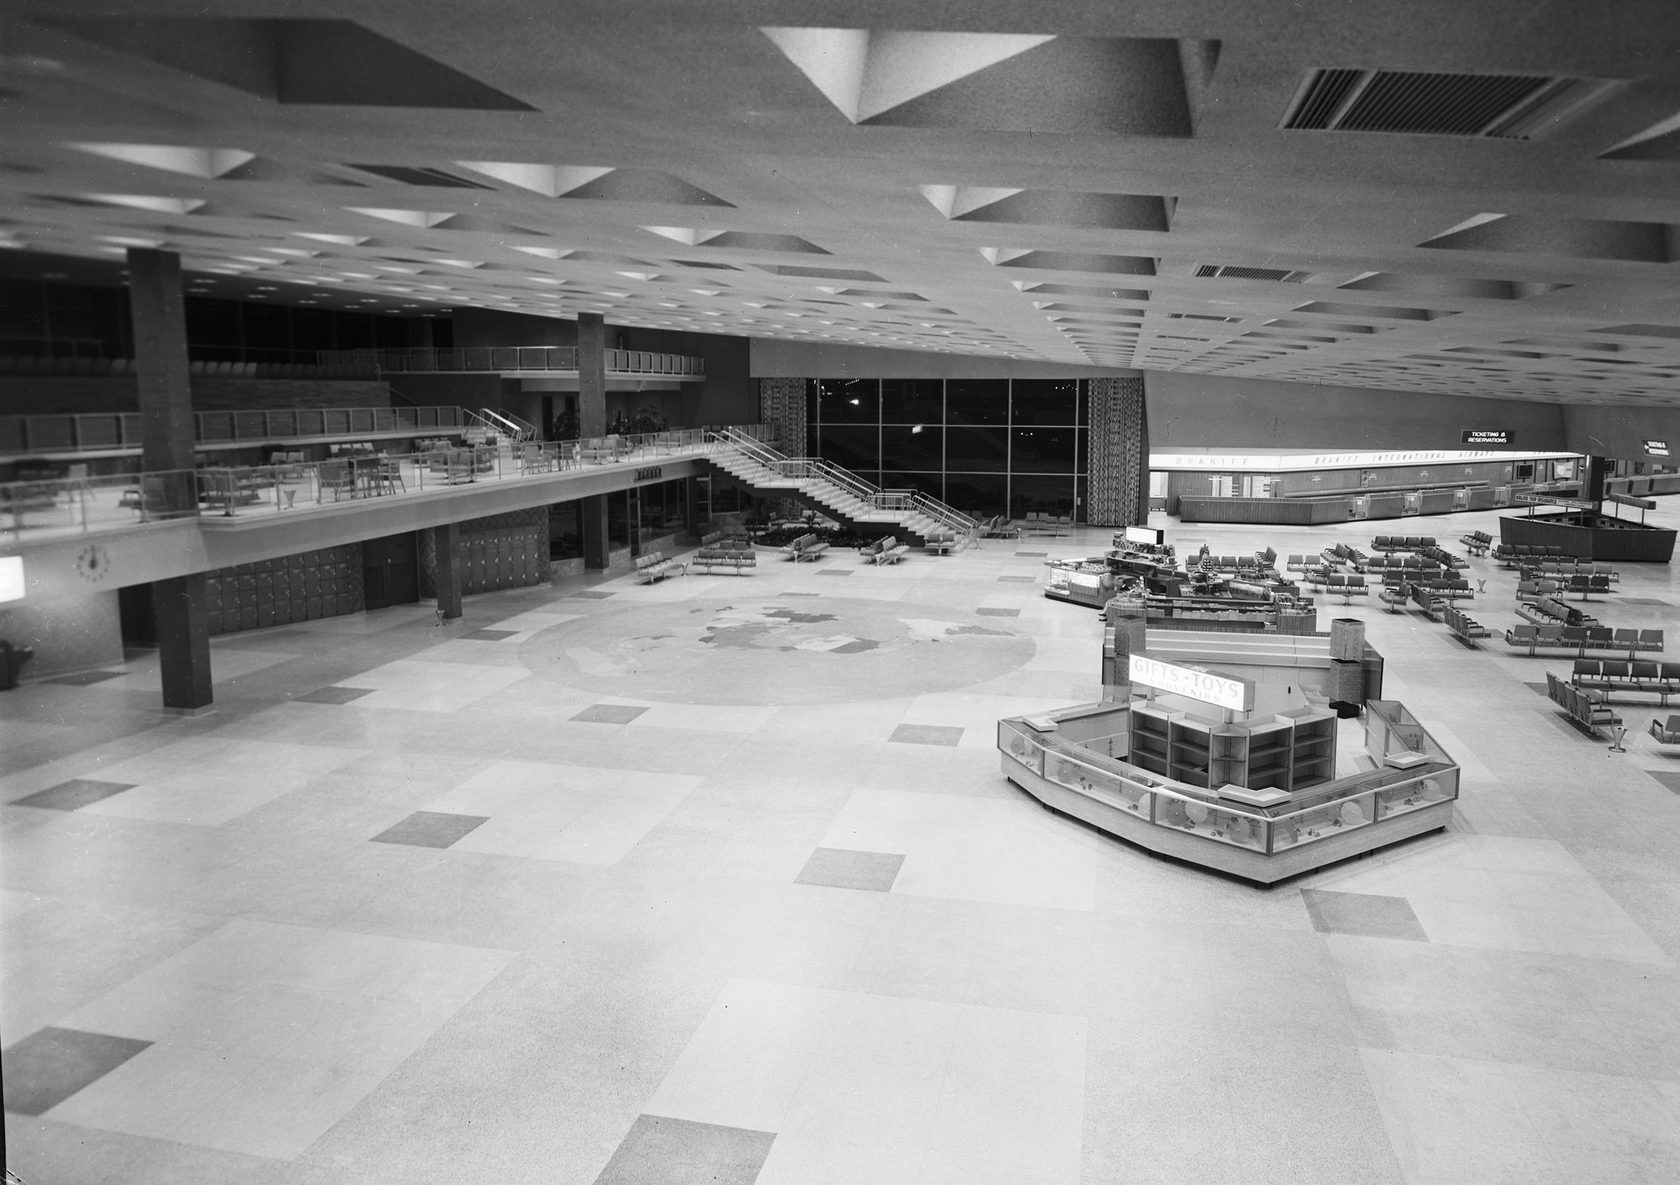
point(1556, 569)
point(654, 566)
point(1406, 563)
point(1443, 557)
point(1463, 625)
point(1239, 564)
point(1661, 679)
point(1552, 610)
point(1587, 707)
point(1476, 542)
point(1346, 585)
point(1392, 543)
point(807, 547)
point(1583, 638)
point(1342, 555)
point(1516, 554)
point(885, 550)
point(1531, 587)
point(721, 554)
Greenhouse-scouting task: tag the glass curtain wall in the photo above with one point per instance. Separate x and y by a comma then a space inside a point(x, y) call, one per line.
point(985, 446)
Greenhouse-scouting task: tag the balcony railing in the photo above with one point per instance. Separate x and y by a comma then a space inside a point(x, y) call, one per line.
point(504, 359)
point(34, 509)
point(116, 431)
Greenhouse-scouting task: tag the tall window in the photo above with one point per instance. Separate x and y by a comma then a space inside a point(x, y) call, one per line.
point(986, 446)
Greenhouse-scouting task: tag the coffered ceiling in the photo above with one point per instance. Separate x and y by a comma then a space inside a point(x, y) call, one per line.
point(1455, 196)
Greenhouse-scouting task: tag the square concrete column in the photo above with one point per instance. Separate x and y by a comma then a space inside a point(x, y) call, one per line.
point(183, 636)
point(166, 435)
point(448, 546)
point(593, 512)
point(592, 374)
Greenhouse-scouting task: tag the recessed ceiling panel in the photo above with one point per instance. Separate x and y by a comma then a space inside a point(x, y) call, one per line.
point(997, 81)
point(1578, 238)
point(1049, 207)
point(294, 60)
point(1070, 261)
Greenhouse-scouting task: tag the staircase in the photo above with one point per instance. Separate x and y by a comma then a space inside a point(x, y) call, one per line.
point(838, 493)
point(500, 430)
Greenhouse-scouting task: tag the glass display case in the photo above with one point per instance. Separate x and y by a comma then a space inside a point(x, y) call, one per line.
point(1167, 792)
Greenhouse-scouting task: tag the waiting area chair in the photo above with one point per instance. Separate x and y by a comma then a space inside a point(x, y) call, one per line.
point(1666, 732)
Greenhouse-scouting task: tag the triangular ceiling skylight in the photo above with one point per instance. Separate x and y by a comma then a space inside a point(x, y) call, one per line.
point(583, 181)
point(421, 219)
point(190, 162)
point(865, 73)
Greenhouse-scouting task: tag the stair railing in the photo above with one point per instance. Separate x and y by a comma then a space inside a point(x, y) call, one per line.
point(890, 501)
point(506, 424)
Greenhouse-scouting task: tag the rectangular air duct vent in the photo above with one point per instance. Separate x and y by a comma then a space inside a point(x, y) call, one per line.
point(1502, 106)
point(1215, 271)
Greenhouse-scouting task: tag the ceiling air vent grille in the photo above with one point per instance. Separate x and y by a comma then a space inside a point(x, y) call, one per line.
point(1209, 271)
point(1503, 106)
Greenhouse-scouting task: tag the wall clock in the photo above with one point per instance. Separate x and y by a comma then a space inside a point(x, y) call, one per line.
point(92, 563)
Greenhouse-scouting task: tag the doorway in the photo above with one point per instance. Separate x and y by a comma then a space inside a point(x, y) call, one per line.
point(390, 571)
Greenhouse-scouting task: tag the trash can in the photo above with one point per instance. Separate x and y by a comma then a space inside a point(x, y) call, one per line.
point(12, 659)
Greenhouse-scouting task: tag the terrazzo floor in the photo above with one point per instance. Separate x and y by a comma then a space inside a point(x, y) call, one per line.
point(718, 881)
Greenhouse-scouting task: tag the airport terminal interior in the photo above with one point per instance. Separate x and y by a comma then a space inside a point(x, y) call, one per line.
point(460, 720)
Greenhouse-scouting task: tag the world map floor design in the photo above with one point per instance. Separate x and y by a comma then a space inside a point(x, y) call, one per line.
point(762, 652)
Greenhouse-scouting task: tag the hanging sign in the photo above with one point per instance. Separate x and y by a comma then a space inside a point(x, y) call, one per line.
point(1222, 691)
point(650, 473)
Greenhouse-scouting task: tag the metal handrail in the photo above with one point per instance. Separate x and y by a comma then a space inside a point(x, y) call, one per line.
point(479, 359)
point(805, 468)
point(104, 431)
point(117, 501)
point(503, 423)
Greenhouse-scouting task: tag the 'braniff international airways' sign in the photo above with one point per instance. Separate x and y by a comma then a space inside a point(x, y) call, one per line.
point(1221, 691)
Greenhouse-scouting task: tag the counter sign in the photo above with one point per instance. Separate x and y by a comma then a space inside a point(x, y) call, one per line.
point(1222, 691)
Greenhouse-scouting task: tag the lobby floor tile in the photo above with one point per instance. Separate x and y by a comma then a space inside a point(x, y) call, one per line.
point(843, 868)
point(419, 686)
point(593, 594)
point(333, 695)
point(51, 1064)
point(834, 572)
point(208, 781)
point(847, 1075)
point(1669, 778)
point(489, 635)
point(1018, 579)
point(84, 678)
point(1003, 851)
point(581, 814)
point(1458, 1121)
point(608, 714)
point(430, 829)
point(72, 795)
point(1370, 915)
point(927, 734)
point(659, 1150)
point(984, 611)
point(265, 1035)
point(1032, 554)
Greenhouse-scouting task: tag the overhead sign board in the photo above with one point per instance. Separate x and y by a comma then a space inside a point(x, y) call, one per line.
point(1487, 437)
point(1150, 535)
point(1222, 691)
point(1657, 448)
